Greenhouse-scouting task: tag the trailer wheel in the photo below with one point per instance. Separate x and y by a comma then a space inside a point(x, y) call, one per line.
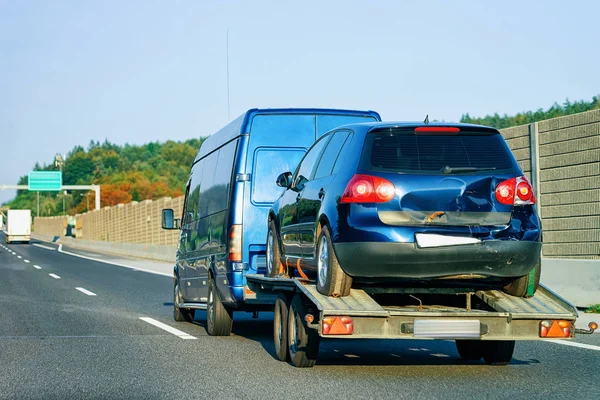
point(303, 343)
point(275, 267)
point(331, 278)
point(520, 287)
point(180, 314)
point(498, 352)
point(280, 327)
point(219, 320)
point(470, 350)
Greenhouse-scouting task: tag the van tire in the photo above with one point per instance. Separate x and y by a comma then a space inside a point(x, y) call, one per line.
point(275, 268)
point(498, 352)
point(470, 350)
point(303, 343)
point(331, 278)
point(280, 327)
point(219, 320)
point(180, 314)
point(519, 287)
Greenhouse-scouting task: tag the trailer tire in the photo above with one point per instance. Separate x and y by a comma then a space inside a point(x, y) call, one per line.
point(303, 343)
point(519, 287)
point(219, 320)
point(498, 352)
point(180, 314)
point(470, 350)
point(275, 267)
point(280, 327)
point(331, 278)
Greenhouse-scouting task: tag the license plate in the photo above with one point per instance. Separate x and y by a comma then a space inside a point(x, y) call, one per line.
point(447, 329)
point(425, 240)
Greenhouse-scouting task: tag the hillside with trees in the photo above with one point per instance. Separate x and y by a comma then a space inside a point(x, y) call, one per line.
point(557, 110)
point(125, 173)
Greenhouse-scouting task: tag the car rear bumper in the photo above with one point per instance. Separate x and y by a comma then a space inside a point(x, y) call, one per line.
point(492, 258)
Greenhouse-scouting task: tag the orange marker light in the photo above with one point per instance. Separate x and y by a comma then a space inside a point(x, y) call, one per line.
point(555, 329)
point(338, 326)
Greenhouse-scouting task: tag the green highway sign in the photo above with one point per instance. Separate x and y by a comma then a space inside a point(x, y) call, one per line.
point(45, 181)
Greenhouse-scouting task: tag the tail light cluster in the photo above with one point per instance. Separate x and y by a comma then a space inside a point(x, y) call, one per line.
point(338, 326)
point(368, 189)
point(515, 191)
point(555, 329)
point(235, 243)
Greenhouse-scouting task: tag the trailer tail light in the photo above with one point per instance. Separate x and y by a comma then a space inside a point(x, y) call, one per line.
point(338, 326)
point(556, 329)
point(235, 243)
point(515, 191)
point(368, 189)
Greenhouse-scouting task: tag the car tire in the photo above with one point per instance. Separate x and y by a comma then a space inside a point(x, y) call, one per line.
point(470, 350)
point(303, 343)
point(219, 320)
point(180, 314)
point(280, 327)
point(275, 267)
point(331, 278)
point(498, 352)
point(519, 287)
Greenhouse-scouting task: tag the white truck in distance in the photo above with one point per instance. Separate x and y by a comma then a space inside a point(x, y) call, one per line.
point(18, 226)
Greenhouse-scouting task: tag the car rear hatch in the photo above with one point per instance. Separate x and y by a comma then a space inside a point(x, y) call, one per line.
point(444, 177)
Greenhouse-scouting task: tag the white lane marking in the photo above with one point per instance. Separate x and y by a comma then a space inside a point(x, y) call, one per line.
point(37, 267)
point(170, 329)
point(85, 291)
point(60, 250)
point(54, 276)
point(26, 261)
point(19, 257)
point(44, 247)
point(574, 344)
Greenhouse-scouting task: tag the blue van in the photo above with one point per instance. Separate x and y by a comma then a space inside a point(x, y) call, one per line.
point(231, 188)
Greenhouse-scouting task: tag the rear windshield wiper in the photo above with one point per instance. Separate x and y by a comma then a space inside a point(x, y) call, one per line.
point(449, 170)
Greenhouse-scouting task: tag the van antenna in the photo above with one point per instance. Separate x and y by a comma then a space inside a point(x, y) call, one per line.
point(426, 121)
point(227, 52)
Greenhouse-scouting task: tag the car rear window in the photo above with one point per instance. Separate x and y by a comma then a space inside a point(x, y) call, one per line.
point(407, 152)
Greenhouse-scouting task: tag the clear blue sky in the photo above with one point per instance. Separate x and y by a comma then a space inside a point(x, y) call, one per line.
point(139, 71)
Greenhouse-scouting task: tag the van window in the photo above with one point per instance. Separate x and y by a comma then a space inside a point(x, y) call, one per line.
point(194, 193)
point(325, 123)
point(208, 177)
point(269, 162)
point(330, 154)
point(283, 130)
point(219, 195)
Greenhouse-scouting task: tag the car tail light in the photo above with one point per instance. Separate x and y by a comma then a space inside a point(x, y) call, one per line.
point(235, 243)
point(338, 326)
point(437, 129)
point(555, 329)
point(517, 191)
point(368, 189)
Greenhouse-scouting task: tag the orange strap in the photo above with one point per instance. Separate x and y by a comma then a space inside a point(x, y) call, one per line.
point(302, 274)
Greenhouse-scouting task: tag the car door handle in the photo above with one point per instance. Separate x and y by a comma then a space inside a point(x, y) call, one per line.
point(321, 193)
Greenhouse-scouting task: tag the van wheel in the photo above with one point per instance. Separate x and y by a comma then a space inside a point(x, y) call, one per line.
point(275, 267)
point(280, 327)
point(331, 279)
point(180, 314)
point(498, 352)
point(303, 343)
point(521, 286)
point(470, 350)
point(218, 318)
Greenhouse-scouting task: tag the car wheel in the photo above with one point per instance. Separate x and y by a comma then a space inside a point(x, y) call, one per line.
point(218, 318)
point(180, 314)
point(275, 267)
point(498, 352)
point(331, 279)
point(527, 285)
point(303, 343)
point(280, 327)
point(470, 350)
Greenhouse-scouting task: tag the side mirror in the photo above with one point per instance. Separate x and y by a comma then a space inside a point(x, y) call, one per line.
point(168, 219)
point(284, 180)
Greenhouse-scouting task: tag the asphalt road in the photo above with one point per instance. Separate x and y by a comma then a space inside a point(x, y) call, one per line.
point(57, 341)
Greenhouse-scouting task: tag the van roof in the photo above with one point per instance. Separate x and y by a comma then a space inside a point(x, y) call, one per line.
point(239, 126)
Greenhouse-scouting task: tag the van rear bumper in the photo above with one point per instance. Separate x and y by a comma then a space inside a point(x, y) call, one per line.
point(492, 258)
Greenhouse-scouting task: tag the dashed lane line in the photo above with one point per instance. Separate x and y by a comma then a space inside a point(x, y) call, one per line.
point(54, 276)
point(170, 329)
point(85, 291)
point(37, 267)
point(26, 261)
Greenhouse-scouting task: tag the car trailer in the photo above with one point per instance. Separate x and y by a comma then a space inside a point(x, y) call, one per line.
point(484, 324)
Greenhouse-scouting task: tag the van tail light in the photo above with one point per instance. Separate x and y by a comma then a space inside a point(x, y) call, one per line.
point(517, 191)
point(556, 329)
point(235, 243)
point(368, 189)
point(338, 326)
